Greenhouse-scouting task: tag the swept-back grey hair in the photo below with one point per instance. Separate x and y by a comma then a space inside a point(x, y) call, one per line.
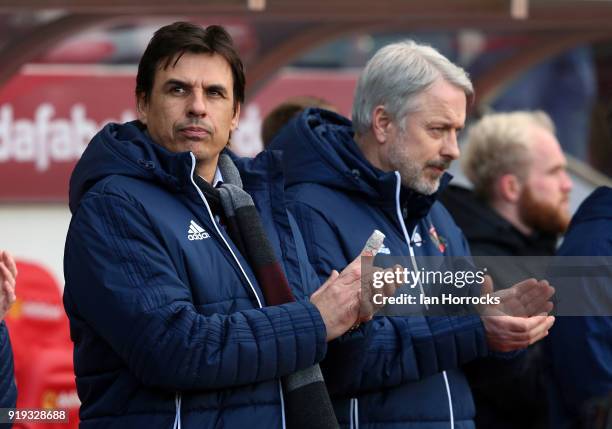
point(498, 144)
point(396, 75)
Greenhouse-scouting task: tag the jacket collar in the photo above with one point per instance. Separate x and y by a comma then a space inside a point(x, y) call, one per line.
point(127, 150)
point(416, 205)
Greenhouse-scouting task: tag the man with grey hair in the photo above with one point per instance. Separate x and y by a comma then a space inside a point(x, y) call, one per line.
point(383, 171)
point(388, 94)
point(518, 207)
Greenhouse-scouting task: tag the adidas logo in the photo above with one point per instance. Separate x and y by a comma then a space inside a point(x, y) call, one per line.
point(196, 232)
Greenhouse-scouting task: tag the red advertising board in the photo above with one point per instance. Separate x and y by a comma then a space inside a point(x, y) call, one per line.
point(49, 113)
point(46, 120)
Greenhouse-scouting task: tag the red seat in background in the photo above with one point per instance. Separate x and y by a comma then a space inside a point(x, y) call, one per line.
point(42, 348)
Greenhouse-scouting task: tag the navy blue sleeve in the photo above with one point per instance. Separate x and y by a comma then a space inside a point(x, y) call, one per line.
point(580, 347)
point(310, 280)
point(387, 351)
point(8, 391)
point(121, 282)
point(581, 353)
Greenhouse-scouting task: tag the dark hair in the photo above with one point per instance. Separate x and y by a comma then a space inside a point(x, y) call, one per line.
point(170, 42)
point(284, 112)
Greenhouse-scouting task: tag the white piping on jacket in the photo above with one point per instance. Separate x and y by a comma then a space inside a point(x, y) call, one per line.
point(193, 164)
point(354, 413)
point(416, 269)
point(398, 210)
point(177, 418)
point(356, 410)
point(450, 400)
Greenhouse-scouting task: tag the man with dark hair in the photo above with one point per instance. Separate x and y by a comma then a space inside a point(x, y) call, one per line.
point(284, 112)
point(8, 273)
point(182, 312)
point(183, 37)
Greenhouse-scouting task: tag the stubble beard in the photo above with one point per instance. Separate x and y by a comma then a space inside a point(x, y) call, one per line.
point(414, 175)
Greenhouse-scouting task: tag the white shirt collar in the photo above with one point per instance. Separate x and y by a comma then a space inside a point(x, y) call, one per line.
point(218, 178)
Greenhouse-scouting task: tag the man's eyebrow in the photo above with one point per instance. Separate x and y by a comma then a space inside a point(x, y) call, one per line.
point(444, 123)
point(177, 82)
point(217, 87)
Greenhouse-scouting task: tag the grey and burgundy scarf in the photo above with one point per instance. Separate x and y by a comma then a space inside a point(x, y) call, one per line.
point(307, 401)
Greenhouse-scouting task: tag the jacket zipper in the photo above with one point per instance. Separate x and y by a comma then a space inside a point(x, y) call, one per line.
point(416, 269)
point(193, 164)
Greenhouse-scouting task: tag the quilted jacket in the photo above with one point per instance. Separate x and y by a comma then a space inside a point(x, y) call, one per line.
point(170, 328)
point(395, 372)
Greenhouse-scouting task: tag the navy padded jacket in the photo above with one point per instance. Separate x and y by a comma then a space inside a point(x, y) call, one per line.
point(165, 326)
point(394, 371)
point(580, 348)
point(8, 391)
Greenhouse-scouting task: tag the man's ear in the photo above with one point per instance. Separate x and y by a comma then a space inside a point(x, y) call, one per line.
point(141, 108)
point(236, 117)
point(509, 187)
point(381, 121)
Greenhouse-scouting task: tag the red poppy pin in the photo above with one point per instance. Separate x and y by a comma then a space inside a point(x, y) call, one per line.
point(438, 240)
